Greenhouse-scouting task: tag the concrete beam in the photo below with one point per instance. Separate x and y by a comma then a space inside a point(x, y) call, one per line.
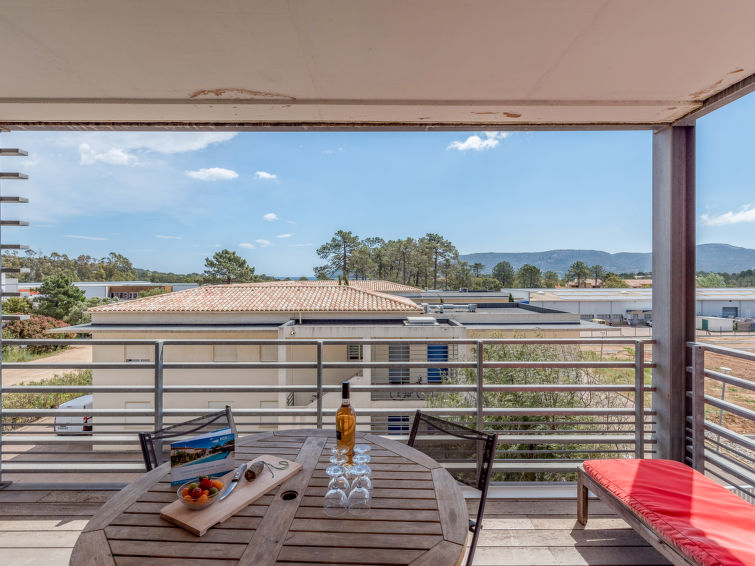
point(673, 281)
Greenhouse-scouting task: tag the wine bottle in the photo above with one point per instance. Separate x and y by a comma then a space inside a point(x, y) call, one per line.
point(346, 423)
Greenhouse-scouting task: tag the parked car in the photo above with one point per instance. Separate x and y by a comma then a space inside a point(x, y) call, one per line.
point(77, 424)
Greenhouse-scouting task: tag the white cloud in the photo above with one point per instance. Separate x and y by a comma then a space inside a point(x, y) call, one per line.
point(745, 214)
point(266, 176)
point(112, 156)
point(76, 237)
point(118, 148)
point(270, 217)
point(164, 237)
point(263, 243)
point(284, 235)
point(477, 143)
point(212, 174)
point(246, 245)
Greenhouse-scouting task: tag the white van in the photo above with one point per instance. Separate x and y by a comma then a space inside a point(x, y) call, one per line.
point(78, 424)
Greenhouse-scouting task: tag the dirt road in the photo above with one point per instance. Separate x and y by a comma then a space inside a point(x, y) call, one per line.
point(75, 354)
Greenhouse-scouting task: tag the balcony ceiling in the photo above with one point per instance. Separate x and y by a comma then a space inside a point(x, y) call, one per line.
point(380, 64)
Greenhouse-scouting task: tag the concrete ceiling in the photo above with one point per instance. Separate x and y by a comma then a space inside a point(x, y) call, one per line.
point(379, 64)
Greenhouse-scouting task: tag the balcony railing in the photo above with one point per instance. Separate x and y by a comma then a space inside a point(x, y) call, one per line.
point(722, 447)
point(521, 398)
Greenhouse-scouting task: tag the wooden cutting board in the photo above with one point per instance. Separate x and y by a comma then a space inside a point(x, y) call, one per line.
point(201, 520)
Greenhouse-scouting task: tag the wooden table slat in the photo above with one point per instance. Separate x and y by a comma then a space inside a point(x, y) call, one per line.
point(418, 515)
point(269, 537)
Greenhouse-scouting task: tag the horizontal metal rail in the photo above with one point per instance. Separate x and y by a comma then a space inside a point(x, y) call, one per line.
point(619, 429)
point(715, 448)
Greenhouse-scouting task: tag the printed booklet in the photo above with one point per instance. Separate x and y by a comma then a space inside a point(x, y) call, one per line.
point(209, 454)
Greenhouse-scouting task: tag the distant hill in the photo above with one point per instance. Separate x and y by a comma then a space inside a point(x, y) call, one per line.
point(721, 258)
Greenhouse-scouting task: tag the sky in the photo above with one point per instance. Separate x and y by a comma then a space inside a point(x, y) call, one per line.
point(169, 200)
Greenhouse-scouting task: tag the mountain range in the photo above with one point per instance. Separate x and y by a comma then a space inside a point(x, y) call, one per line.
point(721, 258)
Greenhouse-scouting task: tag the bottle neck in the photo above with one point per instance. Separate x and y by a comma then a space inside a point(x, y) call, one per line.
point(345, 403)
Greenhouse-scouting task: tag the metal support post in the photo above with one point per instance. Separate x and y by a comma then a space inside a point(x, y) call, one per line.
point(159, 383)
point(319, 384)
point(698, 408)
point(639, 399)
point(673, 284)
point(480, 383)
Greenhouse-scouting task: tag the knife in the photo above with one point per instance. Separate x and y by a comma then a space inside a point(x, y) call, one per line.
point(235, 480)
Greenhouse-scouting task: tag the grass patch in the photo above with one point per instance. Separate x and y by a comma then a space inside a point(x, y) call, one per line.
point(43, 400)
point(16, 354)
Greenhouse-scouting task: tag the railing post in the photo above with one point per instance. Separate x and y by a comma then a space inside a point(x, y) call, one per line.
point(3, 484)
point(159, 396)
point(480, 389)
point(698, 407)
point(319, 384)
point(639, 399)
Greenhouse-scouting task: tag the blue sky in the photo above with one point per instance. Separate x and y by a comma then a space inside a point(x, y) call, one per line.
point(168, 200)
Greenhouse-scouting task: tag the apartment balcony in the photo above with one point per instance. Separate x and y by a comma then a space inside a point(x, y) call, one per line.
point(59, 481)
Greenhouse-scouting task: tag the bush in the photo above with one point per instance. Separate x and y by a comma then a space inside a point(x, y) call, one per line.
point(18, 305)
point(35, 327)
point(43, 400)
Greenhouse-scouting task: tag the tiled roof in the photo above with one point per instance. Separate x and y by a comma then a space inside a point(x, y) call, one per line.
point(378, 285)
point(285, 296)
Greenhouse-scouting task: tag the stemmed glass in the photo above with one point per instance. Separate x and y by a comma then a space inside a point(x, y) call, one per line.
point(336, 501)
point(361, 485)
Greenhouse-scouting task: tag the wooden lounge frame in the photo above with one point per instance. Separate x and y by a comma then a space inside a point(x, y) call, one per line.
point(585, 484)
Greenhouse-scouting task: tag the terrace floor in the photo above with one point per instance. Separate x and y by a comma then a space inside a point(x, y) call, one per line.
point(40, 525)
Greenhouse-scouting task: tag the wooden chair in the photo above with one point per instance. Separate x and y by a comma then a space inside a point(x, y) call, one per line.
point(153, 449)
point(468, 454)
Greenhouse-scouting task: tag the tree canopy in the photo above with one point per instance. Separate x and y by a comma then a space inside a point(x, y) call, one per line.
point(529, 276)
point(504, 273)
point(578, 271)
point(228, 267)
point(58, 297)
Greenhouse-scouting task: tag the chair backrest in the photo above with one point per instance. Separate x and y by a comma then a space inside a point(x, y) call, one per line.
point(155, 451)
point(467, 453)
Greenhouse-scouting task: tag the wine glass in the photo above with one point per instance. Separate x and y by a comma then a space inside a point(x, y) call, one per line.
point(335, 502)
point(359, 498)
point(360, 467)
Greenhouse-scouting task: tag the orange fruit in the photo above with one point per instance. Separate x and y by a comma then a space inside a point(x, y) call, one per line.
point(185, 492)
point(218, 484)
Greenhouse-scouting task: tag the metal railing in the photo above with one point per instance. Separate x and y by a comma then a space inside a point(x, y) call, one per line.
point(608, 415)
point(723, 448)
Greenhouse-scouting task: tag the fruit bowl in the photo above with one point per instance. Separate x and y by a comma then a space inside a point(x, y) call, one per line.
point(199, 494)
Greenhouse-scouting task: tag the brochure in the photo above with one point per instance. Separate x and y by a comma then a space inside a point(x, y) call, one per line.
point(209, 454)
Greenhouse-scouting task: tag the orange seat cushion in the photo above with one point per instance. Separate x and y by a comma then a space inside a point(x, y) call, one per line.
point(704, 521)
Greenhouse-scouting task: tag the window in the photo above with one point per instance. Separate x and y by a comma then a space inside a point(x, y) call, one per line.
point(398, 353)
point(398, 424)
point(139, 353)
point(437, 353)
point(355, 352)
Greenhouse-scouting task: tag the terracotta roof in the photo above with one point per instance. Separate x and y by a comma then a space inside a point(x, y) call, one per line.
point(285, 296)
point(378, 285)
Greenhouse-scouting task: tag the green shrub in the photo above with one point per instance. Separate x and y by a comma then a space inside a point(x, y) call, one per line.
point(43, 400)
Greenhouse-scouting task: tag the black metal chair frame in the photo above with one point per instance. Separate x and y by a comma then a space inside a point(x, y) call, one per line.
point(484, 468)
point(151, 442)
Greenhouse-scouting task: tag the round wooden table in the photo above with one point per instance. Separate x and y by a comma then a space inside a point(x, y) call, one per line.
point(418, 515)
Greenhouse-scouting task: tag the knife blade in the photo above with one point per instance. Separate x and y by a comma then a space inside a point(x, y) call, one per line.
point(235, 480)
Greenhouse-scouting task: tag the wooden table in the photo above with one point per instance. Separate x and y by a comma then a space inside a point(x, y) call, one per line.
point(418, 515)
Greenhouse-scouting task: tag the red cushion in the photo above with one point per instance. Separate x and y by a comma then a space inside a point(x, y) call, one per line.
point(704, 520)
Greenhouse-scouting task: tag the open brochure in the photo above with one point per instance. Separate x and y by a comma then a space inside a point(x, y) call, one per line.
point(209, 454)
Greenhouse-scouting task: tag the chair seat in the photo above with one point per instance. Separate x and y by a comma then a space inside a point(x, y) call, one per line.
point(704, 520)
